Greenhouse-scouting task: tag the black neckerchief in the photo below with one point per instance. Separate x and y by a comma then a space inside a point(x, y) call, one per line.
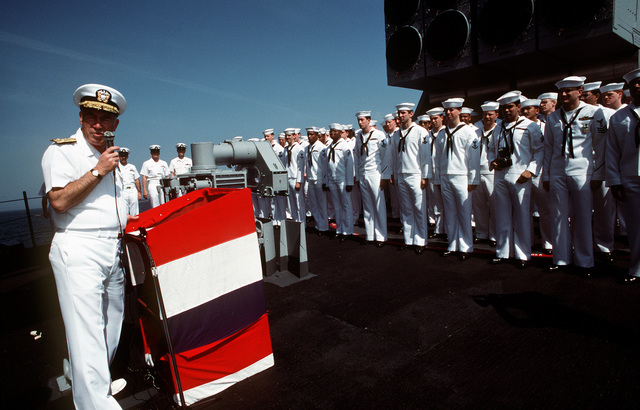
point(567, 133)
point(364, 146)
point(506, 134)
point(289, 149)
point(485, 138)
point(332, 150)
point(402, 145)
point(449, 144)
point(637, 117)
point(310, 154)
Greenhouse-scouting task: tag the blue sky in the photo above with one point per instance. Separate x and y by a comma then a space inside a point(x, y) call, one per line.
point(191, 71)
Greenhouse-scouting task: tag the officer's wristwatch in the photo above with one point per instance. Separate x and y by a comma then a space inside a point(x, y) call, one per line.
point(95, 173)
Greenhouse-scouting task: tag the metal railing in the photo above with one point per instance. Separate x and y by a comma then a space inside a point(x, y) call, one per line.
point(25, 199)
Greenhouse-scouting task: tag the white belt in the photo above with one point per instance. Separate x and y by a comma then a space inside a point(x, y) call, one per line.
point(97, 233)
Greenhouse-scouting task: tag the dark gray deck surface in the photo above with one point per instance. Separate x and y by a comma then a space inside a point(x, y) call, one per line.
point(383, 328)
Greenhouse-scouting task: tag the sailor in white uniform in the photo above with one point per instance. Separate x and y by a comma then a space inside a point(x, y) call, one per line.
point(623, 168)
point(294, 162)
point(434, 196)
point(370, 167)
point(152, 171)
point(130, 182)
point(317, 197)
point(459, 169)
point(515, 153)
point(568, 166)
point(84, 187)
point(409, 155)
point(390, 126)
point(339, 178)
point(482, 198)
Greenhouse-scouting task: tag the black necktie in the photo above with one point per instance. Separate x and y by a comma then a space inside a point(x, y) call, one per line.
point(637, 117)
point(567, 133)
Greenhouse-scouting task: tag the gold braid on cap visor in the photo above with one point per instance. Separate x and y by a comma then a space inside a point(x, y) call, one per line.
point(100, 106)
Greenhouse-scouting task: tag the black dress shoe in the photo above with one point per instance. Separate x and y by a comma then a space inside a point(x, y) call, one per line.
point(403, 247)
point(343, 238)
point(555, 268)
point(628, 279)
point(433, 236)
point(447, 253)
point(547, 251)
point(607, 257)
point(492, 243)
point(379, 244)
point(420, 249)
point(464, 256)
point(496, 261)
point(583, 272)
point(520, 264)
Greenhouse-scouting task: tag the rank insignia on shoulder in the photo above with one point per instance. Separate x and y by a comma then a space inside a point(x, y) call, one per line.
point(61, 141)
point(474, 145)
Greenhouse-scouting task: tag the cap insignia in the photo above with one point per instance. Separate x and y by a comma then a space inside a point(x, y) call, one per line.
point(103, 96)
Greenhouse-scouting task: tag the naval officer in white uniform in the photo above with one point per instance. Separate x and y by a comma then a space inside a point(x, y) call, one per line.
point(130, 182)
point(84, 187)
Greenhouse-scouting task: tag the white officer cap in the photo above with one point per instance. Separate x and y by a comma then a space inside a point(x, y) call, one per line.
point(435, 111)
point(572, 81)
point(594, 86)
point(389, 117)
point(453, 103)
point(336, 126)
point(490, 106)
point(508, 98)
point(532, 102)
point(423, 118)
point(181, 145)
point(631, 75)
point(100, 97)
point(154, 146)
point(124, 150)
point(466, 110)
point(373, 123)
point(363, 114)
point(405, 107)
point(548, 96)
point(267, 131)
point(289, 131)
point(612, 87)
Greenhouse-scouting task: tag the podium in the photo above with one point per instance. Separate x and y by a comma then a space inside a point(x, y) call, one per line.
point(195, 265)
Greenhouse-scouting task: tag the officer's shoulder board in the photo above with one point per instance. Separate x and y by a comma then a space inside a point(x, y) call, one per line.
point(61, 141)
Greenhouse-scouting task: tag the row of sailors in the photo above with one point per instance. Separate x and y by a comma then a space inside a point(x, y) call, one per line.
point(572, 163)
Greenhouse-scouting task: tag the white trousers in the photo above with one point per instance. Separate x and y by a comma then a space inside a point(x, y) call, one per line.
point(540, 198)
point(604, 218)
point(318, 201)
point(570, 197)
point(631, 209)
point(296, 202)
point(435, 206)
point(130, 196)
point(374, 207)
point(154, 194)
point(513, 221)
point(484, 213)
point(457, 209)
point(413, 209)
point(90, 284)
point(342, 208)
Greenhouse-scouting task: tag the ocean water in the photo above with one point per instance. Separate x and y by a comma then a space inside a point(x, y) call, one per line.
point(14, 227)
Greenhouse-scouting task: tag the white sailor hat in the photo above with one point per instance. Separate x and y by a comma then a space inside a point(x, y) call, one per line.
point(267, 131)
point(363, 114)
point(532, 102)
point(405, 107)
point(237, 138)
point(612, 87)
point(154, 147)
point(254, 140)
point(466, 110)
point(389, 117)
point(304, 138)
point(373, 123)
point(423, 118)
point(631, 75)
point(435, 111)
point(124, 150)
point(336, 126)
point(548, 96)
point(181, 145)
point(490, 106)
point(572, 81)
point(100, 97)
point(322, 131)
point(289, 131)
point(281, 135)
point(296, 130)
point(508, 98)
point(453, 103)
point(310, 129)
point(594, 86)
point(348, 126)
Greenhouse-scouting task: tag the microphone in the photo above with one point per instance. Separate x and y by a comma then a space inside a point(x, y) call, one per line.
point(108, 138)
